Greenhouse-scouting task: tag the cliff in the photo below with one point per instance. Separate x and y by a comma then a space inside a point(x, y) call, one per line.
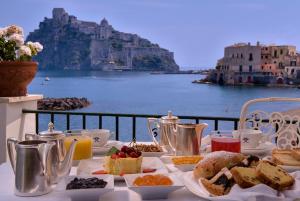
point(73, 44)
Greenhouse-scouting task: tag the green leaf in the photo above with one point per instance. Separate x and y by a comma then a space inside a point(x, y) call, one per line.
point(112, 151)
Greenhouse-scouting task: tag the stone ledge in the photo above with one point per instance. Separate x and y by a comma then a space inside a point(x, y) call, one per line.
point(30, 97)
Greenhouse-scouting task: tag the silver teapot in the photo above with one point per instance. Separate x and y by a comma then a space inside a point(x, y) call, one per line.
point(187, 138)
point(163, 128)
point(61, 160)
point(32, 166)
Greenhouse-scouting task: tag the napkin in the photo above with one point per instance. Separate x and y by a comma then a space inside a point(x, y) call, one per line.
point(294, 192)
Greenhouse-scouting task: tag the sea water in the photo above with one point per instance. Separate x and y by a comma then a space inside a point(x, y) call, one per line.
point(144, 93)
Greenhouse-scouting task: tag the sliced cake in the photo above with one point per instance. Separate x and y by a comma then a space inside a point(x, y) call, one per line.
point(273, 176)
point(285, 157)
point(244, 177)
point(220, 184)
point(124, 161)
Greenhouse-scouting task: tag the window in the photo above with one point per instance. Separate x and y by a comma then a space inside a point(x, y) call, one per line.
point(275, 62)
point(266, 57)
point(242, 56)
point(250, 68)
point(237, 55)
point(241, 68)
point(275, 53)
point(232, 56)
point(292, 71)
point(281, 51)
point(293, 63)
point(262, 67)
point(262, 56)
point(250, 57)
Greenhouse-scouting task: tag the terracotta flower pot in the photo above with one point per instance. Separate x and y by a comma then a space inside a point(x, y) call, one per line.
point(15, 76)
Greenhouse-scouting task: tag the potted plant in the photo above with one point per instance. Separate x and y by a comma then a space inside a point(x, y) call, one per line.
point(17, 69)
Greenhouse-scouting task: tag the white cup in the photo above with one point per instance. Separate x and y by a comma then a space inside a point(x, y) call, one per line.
point(99, 136)
point(250, 138)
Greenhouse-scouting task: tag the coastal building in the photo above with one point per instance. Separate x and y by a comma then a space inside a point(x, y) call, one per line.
point(244, 63)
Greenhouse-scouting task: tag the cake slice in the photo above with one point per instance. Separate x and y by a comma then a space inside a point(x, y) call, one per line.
point(220, 184)
point(296, 153)
point(244, 177)
point(285, 159)
point(273, 176)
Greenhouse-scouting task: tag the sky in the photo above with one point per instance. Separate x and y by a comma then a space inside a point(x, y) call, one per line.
point(195, 30)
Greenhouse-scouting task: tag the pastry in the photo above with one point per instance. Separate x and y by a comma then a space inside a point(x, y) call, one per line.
point(213, 162)
point(250, 161)
point(296, 153)
point(286, 157)
point(273, 176)
point(244, 177)
point(124, 161)
point(220, 184)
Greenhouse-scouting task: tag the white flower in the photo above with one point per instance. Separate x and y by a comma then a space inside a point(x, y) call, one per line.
point(19, 40)
point(23, 50)
point(2, 32)
point(36, 46)
point(14, 29)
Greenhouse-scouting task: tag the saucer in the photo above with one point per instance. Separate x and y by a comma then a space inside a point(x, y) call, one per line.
point(261, 149)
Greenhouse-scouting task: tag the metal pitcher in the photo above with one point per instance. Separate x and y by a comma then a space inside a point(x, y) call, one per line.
point(162, 128)
point(32, 166)
point(187, 139)
point(61, 159)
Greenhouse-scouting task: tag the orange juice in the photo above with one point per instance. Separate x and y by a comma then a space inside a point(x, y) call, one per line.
point(83, 149)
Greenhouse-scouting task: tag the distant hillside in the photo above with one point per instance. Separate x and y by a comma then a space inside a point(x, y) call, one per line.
point(79, 45)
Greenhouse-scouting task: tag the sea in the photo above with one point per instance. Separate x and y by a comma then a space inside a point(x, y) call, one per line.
point(145, 93)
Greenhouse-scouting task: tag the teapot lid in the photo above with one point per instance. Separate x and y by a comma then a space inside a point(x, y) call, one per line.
point(169, 116)
point(51, 133)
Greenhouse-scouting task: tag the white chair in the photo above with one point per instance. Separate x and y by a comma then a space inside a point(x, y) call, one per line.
point(282, 127)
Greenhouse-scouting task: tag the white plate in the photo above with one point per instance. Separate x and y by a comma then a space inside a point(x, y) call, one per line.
point(262, 149)
point(153, 192)
point(104, 149)
point(287, 168)
point(86, 167)
point(91, 194)
point(193, 185)
point(154, 154)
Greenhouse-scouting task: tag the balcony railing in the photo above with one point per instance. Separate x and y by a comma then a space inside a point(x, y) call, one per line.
point(117, 117)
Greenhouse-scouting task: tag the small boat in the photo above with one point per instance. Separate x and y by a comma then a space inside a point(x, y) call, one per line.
point(47, 79)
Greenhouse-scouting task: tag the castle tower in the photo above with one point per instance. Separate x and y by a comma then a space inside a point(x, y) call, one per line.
point(104, 22)
point(105, 30)
point(60, 15)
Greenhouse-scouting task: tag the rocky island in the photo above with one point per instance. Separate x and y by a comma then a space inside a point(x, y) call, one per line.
point(70, 103)
point(72, 44)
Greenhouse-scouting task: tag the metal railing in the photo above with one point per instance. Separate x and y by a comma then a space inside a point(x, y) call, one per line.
point(117, 117)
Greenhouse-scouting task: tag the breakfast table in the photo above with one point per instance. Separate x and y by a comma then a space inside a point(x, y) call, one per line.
point(121, 192)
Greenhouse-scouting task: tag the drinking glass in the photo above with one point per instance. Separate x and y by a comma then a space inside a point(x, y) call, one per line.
point(83, 149)
point(225, 141)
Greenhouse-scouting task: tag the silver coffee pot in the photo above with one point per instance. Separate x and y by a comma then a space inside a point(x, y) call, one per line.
point(32, 166)
point(61, 160)
point(163, 128)
point(187, 139)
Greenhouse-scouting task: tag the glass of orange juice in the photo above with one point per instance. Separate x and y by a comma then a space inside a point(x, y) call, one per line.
point(83, 149)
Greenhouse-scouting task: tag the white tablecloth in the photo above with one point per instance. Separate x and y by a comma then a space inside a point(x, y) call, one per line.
point(121, 193)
